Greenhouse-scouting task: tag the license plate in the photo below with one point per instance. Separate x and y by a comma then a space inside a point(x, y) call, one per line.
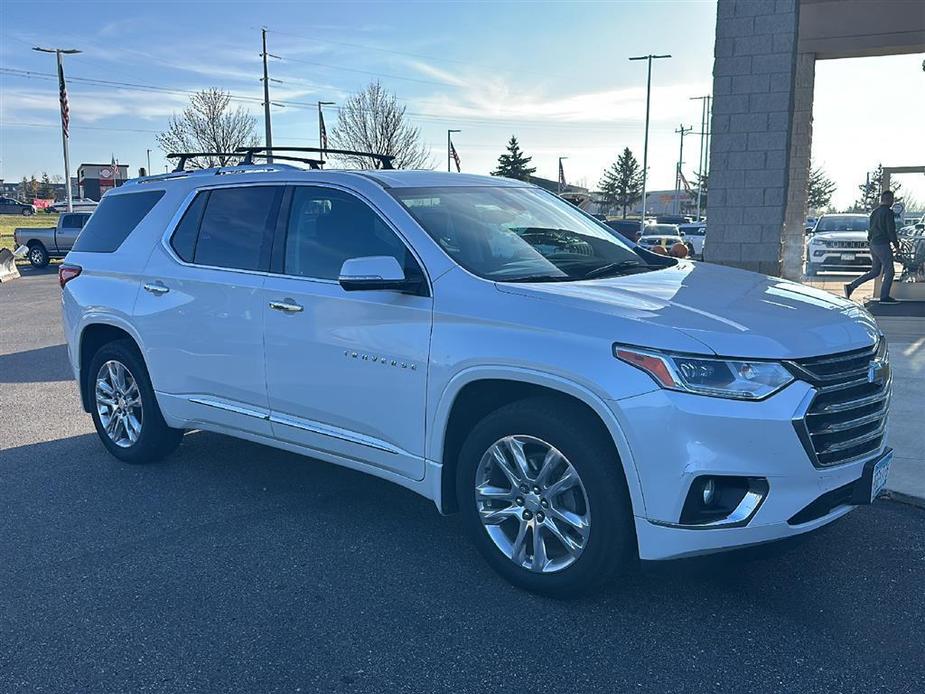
point(847, 256)
point(881, 472)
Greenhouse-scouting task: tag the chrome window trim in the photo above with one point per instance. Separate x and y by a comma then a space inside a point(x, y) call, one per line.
point(188, 200)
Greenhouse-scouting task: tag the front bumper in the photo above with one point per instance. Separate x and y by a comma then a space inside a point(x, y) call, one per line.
point(677, 437)
point(840, 258)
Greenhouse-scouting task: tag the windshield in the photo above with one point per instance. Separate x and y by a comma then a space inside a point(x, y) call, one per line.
point(518, 234)
point(859, 223)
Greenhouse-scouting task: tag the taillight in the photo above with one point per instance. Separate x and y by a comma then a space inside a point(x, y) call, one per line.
point(67, 272)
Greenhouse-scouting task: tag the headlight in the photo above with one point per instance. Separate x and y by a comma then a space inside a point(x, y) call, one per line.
point(722, 378)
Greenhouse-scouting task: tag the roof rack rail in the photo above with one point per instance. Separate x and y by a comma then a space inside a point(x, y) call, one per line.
point(386, 160)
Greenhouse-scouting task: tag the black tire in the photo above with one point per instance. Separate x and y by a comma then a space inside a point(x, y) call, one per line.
point(156, 440)
point(812, 269)
point(27, 212)
point(610, 547)
point(38, 256)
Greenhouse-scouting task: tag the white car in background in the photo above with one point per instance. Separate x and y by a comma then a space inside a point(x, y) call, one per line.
point(695, 234)
point(77, 204)
point(838, 242)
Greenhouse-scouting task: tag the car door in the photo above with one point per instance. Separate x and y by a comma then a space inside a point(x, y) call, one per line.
point(200, 311)
point(346, 371)
point(67, 230)
point(6, 206)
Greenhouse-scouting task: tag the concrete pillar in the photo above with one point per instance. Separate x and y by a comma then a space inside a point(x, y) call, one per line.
point(754, 97)
point(801, 142)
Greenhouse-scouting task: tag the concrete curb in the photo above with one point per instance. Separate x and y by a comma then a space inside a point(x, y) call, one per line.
point(905, 498)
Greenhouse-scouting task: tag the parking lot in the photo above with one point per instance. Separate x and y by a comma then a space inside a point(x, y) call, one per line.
point(234, 567)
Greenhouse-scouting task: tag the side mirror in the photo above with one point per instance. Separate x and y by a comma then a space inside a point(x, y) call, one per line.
point(682, 234)
point(372, 273)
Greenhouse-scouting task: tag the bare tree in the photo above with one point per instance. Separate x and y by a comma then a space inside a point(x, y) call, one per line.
point(209, 124)
point(373, 121)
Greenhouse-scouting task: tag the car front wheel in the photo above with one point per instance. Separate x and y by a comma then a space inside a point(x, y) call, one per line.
point(124, 408)
point(26, 212)
point(544, 498)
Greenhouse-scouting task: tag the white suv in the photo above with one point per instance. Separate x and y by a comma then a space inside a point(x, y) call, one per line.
point(582, 402)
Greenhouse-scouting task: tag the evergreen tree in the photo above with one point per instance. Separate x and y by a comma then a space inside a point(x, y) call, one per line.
point(820, 189)
point(701, 183)
point(621, 184)
point(46, 191)
point(514, 164)
point(870, 191)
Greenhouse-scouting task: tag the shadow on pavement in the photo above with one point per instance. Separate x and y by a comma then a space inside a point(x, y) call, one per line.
point(36, 365)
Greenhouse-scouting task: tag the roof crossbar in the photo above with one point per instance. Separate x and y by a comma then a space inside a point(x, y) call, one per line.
point(183, 157)
point(386, 160)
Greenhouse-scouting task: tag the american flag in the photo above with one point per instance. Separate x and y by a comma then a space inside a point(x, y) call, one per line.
point(455, 155)
point(323, 130)
point(62, 97)
point(561, 176)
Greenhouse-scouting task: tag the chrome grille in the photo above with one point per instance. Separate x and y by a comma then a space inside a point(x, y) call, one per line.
point(847, 417)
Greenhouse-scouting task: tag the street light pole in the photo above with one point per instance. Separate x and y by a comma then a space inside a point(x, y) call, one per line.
point(149, 161)
point(645, 148)
point(449, 148)
point(65, 116)
point(268, 133)
point(322, 131)
point(701, 165)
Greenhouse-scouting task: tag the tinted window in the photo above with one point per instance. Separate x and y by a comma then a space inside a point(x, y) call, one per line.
point(73, 221)
point(184, 237)
point(114, 219)
point(326, 227)
point(235, 226)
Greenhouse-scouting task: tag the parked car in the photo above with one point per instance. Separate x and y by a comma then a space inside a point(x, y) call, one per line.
point(485, 344)
point(664, 235)
point(43, 243)
point(627, 228)
point(838, 242)
point(672, 219)
point(77, 205)
point(694, 236)
point(13, 206)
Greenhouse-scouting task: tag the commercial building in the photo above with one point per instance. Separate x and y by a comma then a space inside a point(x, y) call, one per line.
point(95, 179)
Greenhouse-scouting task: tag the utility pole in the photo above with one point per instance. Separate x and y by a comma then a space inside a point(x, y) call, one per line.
point(645, 148)
point(701, 165)
point(677, 181)
point(149, 161)
point(65, 115)
point(268, 132)
point(449, 147)
point(322, 131)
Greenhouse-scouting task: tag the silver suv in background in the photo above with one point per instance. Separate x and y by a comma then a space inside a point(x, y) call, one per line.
point(838, 242)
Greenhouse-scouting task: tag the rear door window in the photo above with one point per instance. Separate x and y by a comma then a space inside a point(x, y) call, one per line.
point(236, 227)
point(114, 219)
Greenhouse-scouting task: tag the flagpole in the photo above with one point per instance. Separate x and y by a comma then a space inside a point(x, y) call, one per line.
point(62, 96)
point(449, 148)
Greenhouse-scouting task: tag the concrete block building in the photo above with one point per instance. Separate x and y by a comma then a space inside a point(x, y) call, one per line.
point(763, 78)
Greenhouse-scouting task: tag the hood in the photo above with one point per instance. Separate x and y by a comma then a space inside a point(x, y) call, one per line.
point(839, 236)
point(731, 312)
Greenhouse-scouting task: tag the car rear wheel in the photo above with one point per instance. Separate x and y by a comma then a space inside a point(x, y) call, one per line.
point(124, 408)
point(38, 256)
point(544, 498)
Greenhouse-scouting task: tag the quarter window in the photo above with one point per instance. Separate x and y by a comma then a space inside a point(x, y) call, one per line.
point(114, 219)
point(327, 227)
point(235, 227)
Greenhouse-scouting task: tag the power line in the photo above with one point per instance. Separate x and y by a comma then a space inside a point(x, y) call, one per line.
point(368, 72)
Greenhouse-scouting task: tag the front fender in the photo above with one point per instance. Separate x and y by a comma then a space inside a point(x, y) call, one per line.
point(441, 414)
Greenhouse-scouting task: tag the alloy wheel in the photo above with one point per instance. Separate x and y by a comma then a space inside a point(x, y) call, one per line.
point(118, 403)
point(532, 504)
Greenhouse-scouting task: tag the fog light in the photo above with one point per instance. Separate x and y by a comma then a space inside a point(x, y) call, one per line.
point(709, 491)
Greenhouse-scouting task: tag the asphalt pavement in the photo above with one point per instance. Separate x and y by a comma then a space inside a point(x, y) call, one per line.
point(232, 567)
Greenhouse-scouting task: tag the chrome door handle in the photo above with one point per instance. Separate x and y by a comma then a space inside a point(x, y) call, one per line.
point(287, 305)
point(156, 288)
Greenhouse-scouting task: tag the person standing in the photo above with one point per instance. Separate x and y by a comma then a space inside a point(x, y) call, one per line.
point(881, 236)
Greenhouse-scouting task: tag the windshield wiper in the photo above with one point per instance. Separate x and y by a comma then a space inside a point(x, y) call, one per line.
point(616, 268)
point(537, 278)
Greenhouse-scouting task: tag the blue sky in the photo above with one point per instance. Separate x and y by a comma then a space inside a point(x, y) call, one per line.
point(554, 74)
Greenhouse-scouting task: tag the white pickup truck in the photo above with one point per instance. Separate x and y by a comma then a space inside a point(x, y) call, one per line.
point(43, 243)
